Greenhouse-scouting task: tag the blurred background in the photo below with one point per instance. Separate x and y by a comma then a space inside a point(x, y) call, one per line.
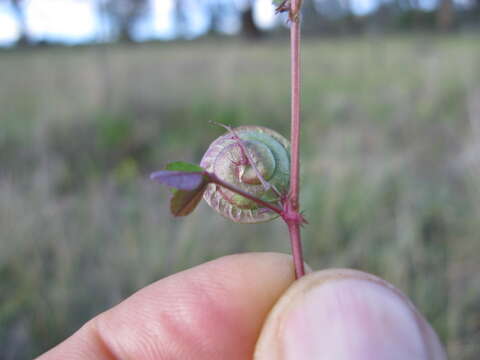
point(96, 94)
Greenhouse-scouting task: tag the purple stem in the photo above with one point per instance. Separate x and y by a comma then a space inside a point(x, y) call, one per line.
point(294, 227)
point(297, 253)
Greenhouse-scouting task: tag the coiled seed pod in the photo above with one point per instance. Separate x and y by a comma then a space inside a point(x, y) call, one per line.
point(226, 158)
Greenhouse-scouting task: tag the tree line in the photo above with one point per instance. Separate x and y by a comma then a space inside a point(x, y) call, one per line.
point(121, 17)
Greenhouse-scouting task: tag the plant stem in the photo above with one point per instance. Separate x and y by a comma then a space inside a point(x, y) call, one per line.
point(292, 222)
point(216, 180)
point(296, 244)
point(294, 227)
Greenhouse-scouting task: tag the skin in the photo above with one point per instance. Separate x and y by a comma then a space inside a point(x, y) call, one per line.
point(217, 310)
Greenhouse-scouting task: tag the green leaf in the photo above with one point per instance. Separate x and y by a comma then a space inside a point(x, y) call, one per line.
point(183, 166)
point(183, 202)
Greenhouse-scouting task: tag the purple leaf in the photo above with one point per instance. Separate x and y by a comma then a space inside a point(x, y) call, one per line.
point(179, 179)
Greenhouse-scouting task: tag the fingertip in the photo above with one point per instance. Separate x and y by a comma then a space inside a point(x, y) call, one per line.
point(345, 314)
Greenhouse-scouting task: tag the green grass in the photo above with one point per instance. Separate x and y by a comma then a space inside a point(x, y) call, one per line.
point(391, 172)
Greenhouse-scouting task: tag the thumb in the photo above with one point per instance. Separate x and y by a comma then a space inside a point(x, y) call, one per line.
point(344, 315)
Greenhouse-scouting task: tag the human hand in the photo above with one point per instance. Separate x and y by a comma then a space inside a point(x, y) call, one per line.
point(218, 310)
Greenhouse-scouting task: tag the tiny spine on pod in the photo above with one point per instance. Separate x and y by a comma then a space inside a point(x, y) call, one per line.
point(270, 153)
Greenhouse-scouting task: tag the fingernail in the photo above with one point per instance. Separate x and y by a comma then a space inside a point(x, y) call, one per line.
point(352, 318)
point(345, 314)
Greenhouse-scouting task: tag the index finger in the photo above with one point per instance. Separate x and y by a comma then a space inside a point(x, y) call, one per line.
point(213, 311)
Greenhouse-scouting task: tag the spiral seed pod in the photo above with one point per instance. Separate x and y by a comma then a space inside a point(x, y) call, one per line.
point(226, 158)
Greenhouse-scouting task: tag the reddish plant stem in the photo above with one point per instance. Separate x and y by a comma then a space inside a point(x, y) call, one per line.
point(294, 226)
point(297, 254)
point(295, 113)
point(216, 180)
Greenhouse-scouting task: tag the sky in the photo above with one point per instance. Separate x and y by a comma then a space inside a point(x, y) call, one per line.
point(75, 21)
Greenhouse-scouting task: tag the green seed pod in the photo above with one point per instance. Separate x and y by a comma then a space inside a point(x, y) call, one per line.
point(268, 150)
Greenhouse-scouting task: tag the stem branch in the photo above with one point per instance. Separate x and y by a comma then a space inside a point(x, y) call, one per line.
point(216, 180)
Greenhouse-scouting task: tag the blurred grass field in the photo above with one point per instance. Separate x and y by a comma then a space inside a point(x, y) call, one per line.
point(391, 171)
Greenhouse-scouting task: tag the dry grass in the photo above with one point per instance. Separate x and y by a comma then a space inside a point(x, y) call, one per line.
point(391, 166)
